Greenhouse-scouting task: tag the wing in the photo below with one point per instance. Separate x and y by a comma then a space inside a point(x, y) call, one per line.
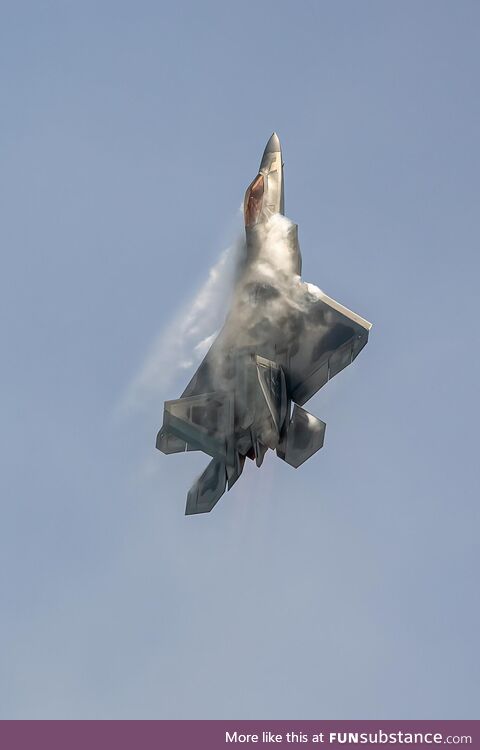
point(330, 339)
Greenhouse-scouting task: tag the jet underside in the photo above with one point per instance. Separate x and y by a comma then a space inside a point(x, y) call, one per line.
point(281, 342)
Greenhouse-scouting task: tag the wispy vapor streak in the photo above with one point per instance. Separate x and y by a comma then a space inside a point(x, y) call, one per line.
point(182, 344)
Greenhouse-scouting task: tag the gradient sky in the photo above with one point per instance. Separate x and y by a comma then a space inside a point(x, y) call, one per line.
point(346, 589)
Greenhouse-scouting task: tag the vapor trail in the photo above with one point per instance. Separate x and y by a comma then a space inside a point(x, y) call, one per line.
point(183, 342)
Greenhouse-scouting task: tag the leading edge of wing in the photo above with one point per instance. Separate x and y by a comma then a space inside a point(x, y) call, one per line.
point(332, 337)
point(343, 310)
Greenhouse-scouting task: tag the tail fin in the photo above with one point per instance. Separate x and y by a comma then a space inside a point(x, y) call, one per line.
point(208, 489)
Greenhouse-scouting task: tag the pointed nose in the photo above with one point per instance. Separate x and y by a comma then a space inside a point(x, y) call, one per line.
point(273, 144)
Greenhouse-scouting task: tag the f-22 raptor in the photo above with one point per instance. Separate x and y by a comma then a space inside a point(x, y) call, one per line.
point(281, 342)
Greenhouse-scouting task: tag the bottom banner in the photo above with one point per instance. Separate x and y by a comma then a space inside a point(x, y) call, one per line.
point(222, 735)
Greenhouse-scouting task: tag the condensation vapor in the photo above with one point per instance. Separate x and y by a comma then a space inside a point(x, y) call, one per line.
point(267, 301)
point(271, 308)
point(184, 341)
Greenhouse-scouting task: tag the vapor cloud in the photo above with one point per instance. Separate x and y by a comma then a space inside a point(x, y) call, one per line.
point(185, 340)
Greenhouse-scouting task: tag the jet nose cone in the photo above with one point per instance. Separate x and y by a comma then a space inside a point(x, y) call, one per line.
point(273, 144)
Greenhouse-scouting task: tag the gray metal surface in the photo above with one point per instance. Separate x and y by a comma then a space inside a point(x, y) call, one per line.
point(281, 342)
point(303, 438)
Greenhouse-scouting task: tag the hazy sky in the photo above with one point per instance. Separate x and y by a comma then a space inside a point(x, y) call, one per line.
point(345, 589)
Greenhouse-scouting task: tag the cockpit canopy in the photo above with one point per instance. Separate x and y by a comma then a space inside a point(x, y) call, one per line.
point(254, 201)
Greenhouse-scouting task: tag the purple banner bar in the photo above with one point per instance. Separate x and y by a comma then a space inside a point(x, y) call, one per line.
point(222, 735)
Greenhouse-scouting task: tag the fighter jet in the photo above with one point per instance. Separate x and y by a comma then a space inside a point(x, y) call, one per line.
point(281, 342)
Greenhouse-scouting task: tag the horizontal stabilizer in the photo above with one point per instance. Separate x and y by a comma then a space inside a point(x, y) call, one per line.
point(202, 422)
point(168, 443)
point(304, 437)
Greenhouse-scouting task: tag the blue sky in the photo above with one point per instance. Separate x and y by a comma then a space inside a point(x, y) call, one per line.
point(348, 588)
